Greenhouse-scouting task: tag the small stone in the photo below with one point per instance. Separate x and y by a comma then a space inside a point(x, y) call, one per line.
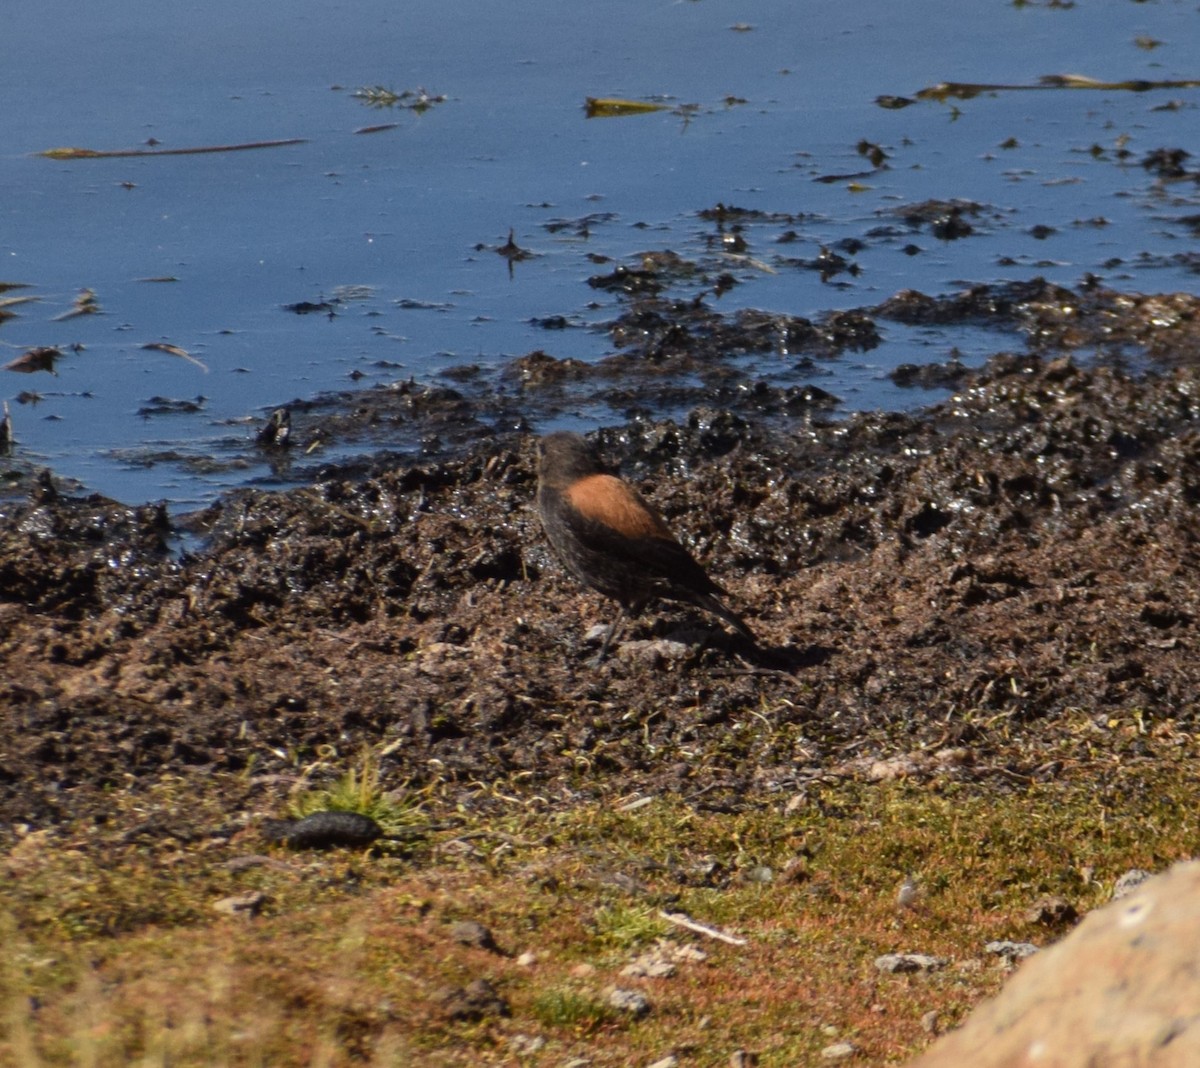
point(669, 1061)
point(526, 1045)
point(650, 965)
point(249, 861)
point(527, 959)
point(839, 1051)
point(689, 952)
point(901, 767)
point(1011, 951)
point(908, 893)
point(651, 653)
point(436, 653)
point(470, 933)
point(1050, 911)
point(953, 758)
point(247, 904)
point(795, 803)
point(246, 862)
point(324, 830)
point(795, 870)
point(476, 1001)
point(929, 1022)
point(631, 1001)
point(903, 963)
point(1129, 882)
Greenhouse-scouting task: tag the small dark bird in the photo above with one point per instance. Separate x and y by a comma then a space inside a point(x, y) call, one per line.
point(610, 538)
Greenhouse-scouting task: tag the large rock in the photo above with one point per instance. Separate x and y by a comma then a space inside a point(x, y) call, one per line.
point(1123, 989)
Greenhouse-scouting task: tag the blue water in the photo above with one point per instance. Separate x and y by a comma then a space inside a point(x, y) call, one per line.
point(401, 212)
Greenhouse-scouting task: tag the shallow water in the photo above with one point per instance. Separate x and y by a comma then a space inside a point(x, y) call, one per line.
point(413, 215)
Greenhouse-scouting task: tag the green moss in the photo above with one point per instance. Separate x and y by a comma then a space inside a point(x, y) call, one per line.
point(567, 1007)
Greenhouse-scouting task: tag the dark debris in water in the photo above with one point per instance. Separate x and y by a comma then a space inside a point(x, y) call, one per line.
point(381, 96)
point(1170, 163)
point(42, 358)
point(672, 354)
point(1051, 317)
point(724, 214)
point(310, 307)
point(513, 252)
point(581, 226)
point(948, 375)
point(944, 91)
point(946, 220)
point(276, 433)
point(171, 406)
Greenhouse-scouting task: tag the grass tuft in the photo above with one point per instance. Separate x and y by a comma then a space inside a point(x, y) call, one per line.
point(627, 926)
point(359, 790)
point(566, 1007)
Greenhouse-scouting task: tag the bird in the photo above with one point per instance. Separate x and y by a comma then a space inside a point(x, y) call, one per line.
point(612, 539)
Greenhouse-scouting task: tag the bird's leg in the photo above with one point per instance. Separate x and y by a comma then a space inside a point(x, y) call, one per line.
point(608, 637)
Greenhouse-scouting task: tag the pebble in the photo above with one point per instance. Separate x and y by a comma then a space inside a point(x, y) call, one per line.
point(256, 860)
point(470, 933)
point(908, 893)
point(649, 966)
point(247, 904)
point(1129, 882)
point(631, 1001)
point(653, 652)
point(759, 874)
point(1011, 951)
point(526, 1045)
point(901, 767)
point(839, 1051)
point(901, 963)
point(1051, 910)
point(324, 830)
point(661, 961)
point(476, 1001)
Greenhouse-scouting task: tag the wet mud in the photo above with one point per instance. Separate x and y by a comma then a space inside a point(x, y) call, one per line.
point(946, 588)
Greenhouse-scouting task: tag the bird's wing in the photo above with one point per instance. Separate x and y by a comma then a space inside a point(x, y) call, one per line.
point(610, 518)
point(615, 505)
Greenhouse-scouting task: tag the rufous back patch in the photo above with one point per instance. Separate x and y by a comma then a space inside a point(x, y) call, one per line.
point(607, 500)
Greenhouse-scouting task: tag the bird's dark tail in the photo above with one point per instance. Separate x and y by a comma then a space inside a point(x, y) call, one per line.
point(713, 604)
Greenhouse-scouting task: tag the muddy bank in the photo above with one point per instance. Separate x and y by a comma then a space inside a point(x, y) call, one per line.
point(935, 590)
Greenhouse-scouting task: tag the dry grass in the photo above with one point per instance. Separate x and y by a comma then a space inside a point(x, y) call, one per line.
point(118, 957)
